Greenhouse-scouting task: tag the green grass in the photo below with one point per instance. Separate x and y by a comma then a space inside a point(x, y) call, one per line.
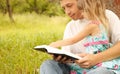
point(18, 39)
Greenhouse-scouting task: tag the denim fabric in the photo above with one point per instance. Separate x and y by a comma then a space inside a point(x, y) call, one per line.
point(53, 67)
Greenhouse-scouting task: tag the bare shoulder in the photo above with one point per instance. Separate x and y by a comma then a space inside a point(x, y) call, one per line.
point(92, 26)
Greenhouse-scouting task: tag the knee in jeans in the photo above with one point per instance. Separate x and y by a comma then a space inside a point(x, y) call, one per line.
point(47, 63)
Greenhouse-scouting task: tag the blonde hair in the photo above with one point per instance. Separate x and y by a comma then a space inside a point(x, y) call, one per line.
point(95, 10)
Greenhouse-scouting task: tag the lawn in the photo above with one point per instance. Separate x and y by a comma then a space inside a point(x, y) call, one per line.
point(18, 39)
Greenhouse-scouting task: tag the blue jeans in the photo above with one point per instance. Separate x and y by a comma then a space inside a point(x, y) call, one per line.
point(53, 67)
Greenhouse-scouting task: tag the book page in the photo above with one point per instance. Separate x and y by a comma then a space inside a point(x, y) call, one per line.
point(53, 50)
point(49, 49)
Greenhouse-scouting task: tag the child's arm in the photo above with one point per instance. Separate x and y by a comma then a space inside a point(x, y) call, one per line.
point(88, 30)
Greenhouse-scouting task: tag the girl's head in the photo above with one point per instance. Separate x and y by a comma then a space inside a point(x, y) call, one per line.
point(91, 8)
point(94, 10)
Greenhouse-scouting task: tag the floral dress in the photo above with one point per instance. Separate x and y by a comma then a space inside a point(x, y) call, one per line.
point(96, 44)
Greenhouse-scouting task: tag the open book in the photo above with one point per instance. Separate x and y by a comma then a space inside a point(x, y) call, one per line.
point(56, 51)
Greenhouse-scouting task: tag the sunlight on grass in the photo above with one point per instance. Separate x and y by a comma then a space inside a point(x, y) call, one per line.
point(18, 39)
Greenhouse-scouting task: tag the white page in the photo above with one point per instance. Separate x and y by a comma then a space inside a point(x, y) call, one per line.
point(56, 51)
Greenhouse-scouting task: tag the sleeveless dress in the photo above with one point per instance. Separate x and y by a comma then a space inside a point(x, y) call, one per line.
point(96, 44)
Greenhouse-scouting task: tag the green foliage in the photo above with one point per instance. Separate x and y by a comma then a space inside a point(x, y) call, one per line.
point(46, 7)
point(53, 10)
point(17, 41)
point(2, 6)
point(19, 6)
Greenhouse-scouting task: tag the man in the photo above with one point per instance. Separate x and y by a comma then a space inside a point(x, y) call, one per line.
point(88, 60)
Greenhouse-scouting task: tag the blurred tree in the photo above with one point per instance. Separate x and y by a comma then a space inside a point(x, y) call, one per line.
point(19, 6)
point(9, 10)
point(33, 5)
point(45, 7)
point(53, 9)
point(3, 6)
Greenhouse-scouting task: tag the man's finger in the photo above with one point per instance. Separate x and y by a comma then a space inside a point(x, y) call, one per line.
point(58, 58)
point(69, 61)
point(63, 59)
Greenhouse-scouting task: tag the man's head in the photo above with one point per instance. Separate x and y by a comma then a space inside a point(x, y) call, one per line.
point(71, 9)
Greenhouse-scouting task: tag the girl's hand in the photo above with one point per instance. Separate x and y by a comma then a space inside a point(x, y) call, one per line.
point(87, 61)
point(54, 44)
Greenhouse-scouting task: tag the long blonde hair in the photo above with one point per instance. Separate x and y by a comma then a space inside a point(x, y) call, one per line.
point(95, 10)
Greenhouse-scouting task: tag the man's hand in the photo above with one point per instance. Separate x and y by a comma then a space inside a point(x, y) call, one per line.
point(87, 61)
point(61, 59)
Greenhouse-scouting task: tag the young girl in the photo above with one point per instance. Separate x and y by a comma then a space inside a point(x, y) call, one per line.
point(96, 34)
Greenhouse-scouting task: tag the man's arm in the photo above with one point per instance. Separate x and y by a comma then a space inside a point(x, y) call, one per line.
point(110, 53)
